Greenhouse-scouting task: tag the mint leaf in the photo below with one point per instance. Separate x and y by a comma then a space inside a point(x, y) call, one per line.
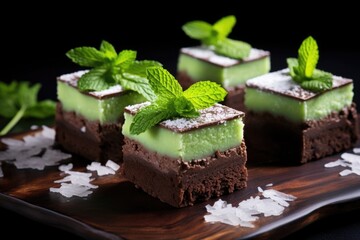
point(125, 58)
point(20, 100)
point(308, 57)
point(138, 84)
point(108, 50)
point(216, 36)
point(86, 56)
point(96, 79)
point(164, 85)
point(303, 69)
point(202, 99)
point(171, 102)
point(233, 48)
point(110, 68)
point(185, 108)
point(198, 30)
point(139, 67)
point(148, 117)
point(224, 26)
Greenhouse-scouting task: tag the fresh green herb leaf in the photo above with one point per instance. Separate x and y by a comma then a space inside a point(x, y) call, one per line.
point(198, 30)
point(308, 57)
point(185, 108)
point(148, 117)
point(224, 26)
point(97, 78)
point(303, 69)
point(19, 100)
point(202, 99)
point(110, 68)
point(216, 36)
point(171, 101)
point(233, 48)
point(164, 85)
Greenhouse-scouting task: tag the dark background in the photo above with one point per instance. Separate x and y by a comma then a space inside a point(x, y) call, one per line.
point(34, 40)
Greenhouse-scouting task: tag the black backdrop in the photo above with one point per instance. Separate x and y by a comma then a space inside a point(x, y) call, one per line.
point(35, 38)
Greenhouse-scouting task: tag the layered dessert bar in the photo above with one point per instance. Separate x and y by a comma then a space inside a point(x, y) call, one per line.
point(183, 147)
point(90, 108)
point(89, 123)
point(209, 61)
point(183, 161)
point(299, 114)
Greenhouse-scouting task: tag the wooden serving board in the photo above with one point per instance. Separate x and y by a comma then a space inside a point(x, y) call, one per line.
point(118, 210)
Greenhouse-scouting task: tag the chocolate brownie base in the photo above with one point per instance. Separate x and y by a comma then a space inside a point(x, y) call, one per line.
point(181, 183)
point(234, 98)
point(88, 139)
point(274, 139)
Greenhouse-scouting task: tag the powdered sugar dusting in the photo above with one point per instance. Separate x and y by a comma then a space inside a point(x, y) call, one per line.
point(133, 109)
point(349, 161)
point(270, 203)
point(209, 55)
point(216, 114)
point(282, 83)
point(33, 151)
point(72, 79)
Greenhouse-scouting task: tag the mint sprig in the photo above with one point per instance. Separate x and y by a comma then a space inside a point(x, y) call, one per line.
point(171, 101)
point(216, 36)
point(20, 100)
point(303, 69)
point(109, 68)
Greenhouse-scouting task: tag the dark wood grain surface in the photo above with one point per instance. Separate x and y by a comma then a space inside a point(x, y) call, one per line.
point(119, 210)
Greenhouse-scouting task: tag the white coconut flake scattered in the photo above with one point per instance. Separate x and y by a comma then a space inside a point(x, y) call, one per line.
point(33, 151)
point(272, 203)
point(34, 127)
point(111, 164)
point(350, 161)
point(83, 129)
point(74, 184)
point(100, 169)
point(356, 150)
point(269, 185)
point(66, 167)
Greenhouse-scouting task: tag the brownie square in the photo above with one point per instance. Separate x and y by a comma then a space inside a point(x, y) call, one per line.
point(88, 139)
point(181, 183)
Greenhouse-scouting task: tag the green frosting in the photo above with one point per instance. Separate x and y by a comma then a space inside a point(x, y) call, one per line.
point(106, 110)
point(314, 107)
point(189, 145)
point(228, 75)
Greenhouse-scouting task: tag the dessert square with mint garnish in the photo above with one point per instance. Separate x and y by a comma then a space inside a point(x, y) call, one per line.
point(220, 59)
point(90, 108)
point(299, 114)
point(184, 147)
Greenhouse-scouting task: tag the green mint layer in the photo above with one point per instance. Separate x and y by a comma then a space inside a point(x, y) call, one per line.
point(273, 95)
point(205, 64)
point(188, 145)
point(107, 110)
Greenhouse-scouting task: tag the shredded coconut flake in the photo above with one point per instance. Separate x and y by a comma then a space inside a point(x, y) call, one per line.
point(100, 169)
point(83, 129)
point(74, 184)
point(272, 203)
point(111, 164)
point(348, 160)
point(33, 151)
